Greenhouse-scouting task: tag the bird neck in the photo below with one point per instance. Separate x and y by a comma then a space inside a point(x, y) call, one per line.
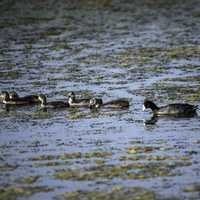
point(154, 107)
point(71, 99)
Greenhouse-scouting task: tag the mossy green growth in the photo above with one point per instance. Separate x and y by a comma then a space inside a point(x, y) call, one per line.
point(43, 157)
point(126, 171)
point(97, 154)
point(192, 188)
point(92, 154)
point(196, 14)
point(50, 164)
point(117, 193)
point(183, 52)
point(140, 149)
point(100, 162)
point(185, 78)
point(7, 167)
point(73, 155)
point(41, 115)
point(156, 69)
point(154, 158)
point(10, 74)
point(29, 179)
point(12, 193)
point(78, 115)
point(53, 31)
point(60, 46)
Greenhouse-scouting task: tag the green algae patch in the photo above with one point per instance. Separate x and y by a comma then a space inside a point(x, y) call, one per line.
point(136, 170)
point(196, 14)
point(10, 74)
point(29, 179)
point(94, 154)
point(12, 193)
point(184, 79)
point(116, 193)
point(43, 157)
point(78, 115)
point(154, 158)
point(183, 52)
point(140, 149)
point(192, 188)
point(194, 96)
point(73, 155)
point(98, 154)
point(172, 91)
point(6, 167)
point(100, 162)
point(53, 31)
point(155, 69)
point(41, 115)
point(50, 164)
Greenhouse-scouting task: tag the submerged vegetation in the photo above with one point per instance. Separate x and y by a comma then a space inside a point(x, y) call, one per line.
point(13, 193)
point(117, 193)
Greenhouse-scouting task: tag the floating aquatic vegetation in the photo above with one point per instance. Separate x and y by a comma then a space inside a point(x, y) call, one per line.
point(12, 193)
point(196, 14)
point(186, 51)
point(7, 167)
point(154, 158)
point(29, 179)
point(78, 115)
point(185, 78)
point(41, 115)
point(10, 74)
point(43, 157)
point(97, 154)
point(50, 164)
point(124, 171)
point(73, 155)
point(141, 149)
point(116, 193)
point(100, 162)
point(192, 188)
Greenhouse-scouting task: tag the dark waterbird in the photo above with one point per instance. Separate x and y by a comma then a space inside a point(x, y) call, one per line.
point(14, 99)
point(74, 102)
point(30, 98)
point(52, 104)
point(118, 103)
point(176, 109)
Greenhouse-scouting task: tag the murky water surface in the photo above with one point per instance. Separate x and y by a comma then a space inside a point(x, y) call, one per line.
point(108, 49)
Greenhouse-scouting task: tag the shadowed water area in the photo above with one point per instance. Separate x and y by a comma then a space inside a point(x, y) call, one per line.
point(108, 49)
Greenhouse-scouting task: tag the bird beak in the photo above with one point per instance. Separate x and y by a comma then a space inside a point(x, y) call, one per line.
point(143, 108)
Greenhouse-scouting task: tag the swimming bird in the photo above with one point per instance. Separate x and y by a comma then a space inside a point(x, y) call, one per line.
point(179, 109)
point(30, 98)
point(52, 104)
point(2, 96)
point(118, 103)
point(73, 102)
point(6, 100)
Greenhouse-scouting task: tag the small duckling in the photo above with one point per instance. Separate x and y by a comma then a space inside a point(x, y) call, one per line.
point(30, 98)
point(177, 109)
point(6, 100)
point(52, 104)
point(95, 103)
point(2, 96)
point(73, 102)
point(116, 104)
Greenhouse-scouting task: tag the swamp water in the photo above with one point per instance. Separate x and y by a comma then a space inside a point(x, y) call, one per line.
point(108, 49)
